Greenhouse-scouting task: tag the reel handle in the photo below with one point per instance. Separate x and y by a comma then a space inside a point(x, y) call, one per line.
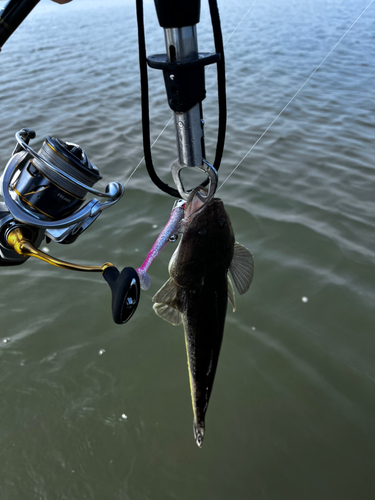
point(126, 289)
point(26, 134)
point(125, 286)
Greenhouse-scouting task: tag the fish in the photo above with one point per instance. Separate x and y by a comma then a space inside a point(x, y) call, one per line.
point(197, 293)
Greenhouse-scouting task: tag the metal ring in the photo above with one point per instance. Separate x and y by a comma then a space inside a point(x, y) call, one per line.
point(30, 150)
point(208, 169)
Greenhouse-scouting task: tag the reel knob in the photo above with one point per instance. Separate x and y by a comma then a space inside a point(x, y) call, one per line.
point(126, 290)
point(26, 134)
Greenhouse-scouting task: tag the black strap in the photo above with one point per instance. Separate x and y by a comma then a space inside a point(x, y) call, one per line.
point(221, 87)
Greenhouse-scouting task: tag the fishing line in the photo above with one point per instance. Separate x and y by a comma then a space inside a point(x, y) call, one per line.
point(294, 96)
point(238, 25)
point(152, 145)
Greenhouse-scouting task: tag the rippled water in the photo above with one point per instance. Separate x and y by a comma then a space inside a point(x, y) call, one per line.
point(91, 410)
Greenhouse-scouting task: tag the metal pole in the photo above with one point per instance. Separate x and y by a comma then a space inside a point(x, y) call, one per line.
point(179, 19)
point(182, 45)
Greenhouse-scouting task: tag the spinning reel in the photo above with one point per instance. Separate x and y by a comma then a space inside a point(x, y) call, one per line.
point(44, 197)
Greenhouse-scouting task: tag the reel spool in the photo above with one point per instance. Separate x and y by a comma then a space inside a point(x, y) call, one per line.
point(44, 197)
point(45, 190)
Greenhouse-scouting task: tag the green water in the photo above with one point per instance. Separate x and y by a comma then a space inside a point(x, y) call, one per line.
point(92, 410)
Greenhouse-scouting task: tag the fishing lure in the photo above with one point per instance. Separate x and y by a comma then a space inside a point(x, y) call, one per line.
point(168, 234)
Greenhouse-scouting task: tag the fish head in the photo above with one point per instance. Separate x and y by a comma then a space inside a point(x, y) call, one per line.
point(207, 243)
point(207, 225)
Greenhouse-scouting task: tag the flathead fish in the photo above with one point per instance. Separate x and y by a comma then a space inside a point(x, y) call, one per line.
point(197, 293)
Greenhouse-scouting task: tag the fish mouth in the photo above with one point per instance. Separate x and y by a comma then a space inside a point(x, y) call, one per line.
point(193, 205)
point(198, 433)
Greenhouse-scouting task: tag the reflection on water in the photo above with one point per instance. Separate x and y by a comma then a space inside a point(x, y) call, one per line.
point(291, 414)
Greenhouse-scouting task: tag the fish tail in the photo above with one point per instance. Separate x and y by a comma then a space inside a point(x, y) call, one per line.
point(198, 429)
point(198, 423)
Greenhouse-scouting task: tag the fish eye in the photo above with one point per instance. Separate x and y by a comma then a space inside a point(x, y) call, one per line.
point(222, 222)
point(202, 232)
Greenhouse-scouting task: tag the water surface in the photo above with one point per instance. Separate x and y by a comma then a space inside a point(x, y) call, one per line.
point(91, 410)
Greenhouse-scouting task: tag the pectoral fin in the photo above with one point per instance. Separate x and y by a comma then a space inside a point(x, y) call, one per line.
point(168, 313)
point(167, 303)
point(242, 268)
point(167, 294)
point(231, 296)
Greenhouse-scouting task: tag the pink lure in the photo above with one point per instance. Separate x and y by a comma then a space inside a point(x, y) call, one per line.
point(172, 227)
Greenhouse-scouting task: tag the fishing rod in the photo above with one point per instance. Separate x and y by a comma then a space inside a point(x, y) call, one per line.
point(12, 15)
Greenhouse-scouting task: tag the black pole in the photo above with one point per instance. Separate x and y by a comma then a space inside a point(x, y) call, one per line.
point(177, 13)
point(12, 16)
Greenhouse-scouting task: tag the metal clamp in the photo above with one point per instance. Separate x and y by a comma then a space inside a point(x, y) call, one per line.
point(208, 169)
